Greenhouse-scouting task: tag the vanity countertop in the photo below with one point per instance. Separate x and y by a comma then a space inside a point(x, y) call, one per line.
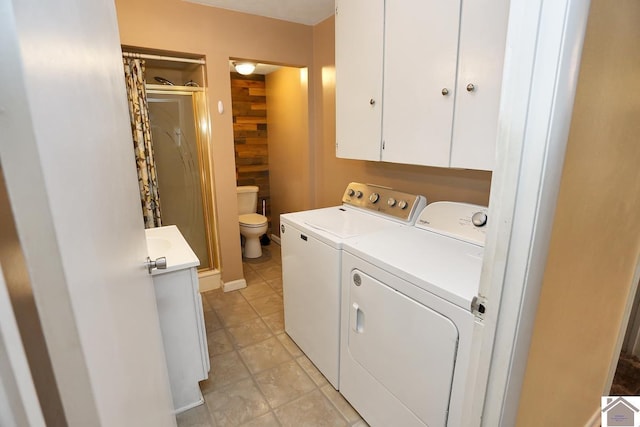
point(168, 242)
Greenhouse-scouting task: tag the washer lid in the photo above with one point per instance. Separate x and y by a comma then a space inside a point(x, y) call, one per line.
point(462, 221)
point(339, 222)
point(347, 223)
point(252, 219)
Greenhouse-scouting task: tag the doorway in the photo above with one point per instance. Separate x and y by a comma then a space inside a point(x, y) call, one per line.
point(271, 137)
point(626, 380)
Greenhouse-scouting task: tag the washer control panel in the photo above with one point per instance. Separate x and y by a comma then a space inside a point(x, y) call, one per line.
point(397, 204)
point(461, 221)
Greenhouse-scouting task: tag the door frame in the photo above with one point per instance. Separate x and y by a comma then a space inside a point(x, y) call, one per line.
point(19, 404)
point(28, 389)
point(542, 61)
point(29, 201)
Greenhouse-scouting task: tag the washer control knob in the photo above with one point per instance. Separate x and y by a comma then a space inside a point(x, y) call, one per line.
point(350, 192)
point(359, 194)
point(479, 219)
point(391, 201)
point(374, 197)
point(402, 204)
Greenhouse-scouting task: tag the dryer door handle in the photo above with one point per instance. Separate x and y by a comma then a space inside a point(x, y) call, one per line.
point(357, 318)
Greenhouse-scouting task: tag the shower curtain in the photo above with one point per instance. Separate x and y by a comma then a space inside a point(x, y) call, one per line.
point(141, 130)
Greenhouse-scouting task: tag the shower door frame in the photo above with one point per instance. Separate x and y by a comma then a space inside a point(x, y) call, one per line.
point(205, 172)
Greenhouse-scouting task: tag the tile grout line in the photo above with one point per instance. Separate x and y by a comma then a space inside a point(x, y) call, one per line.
point(272, 335)
point(252, 375)
point(294, 359)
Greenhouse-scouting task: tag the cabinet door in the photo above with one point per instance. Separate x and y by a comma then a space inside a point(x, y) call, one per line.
point(359, 56)
point(483, 33)
point(421, 51)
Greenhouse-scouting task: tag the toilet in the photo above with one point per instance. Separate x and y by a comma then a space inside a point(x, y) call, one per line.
point(252, 224)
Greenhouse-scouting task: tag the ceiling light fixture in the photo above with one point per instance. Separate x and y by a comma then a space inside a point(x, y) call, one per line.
point(244, 68)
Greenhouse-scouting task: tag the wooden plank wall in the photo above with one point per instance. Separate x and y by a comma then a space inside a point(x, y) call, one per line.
point(249, 105)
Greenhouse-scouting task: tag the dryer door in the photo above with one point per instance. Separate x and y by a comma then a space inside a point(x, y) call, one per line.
point(408, 349)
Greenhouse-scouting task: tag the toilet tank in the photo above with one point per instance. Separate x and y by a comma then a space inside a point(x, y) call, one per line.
point(247, 199)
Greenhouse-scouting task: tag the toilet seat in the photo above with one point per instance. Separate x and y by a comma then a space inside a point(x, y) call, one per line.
point(252, 220)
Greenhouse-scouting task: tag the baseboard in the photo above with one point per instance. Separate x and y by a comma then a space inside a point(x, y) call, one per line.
point(234, 285)
point(208, 280)
point(275, 238)
point(189, 406)
point(595, 419)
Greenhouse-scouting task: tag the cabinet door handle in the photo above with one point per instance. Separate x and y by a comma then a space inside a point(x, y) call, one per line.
point(445, 91)
point(372, 101)
point(470, 87)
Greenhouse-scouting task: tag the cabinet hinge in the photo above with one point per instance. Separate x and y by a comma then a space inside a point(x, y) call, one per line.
point(336, 10)
point(479, 306)
point(383, 142)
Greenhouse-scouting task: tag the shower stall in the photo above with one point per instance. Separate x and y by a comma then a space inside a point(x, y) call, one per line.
point(173, 128)
point(179, 122)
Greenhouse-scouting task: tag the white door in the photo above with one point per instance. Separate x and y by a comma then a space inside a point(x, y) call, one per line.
point(67, 156)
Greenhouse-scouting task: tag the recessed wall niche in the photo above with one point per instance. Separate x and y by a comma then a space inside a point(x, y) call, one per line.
point(250, 134)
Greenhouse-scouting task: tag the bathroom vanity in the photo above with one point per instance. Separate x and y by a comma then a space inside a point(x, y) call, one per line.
point(181, 315)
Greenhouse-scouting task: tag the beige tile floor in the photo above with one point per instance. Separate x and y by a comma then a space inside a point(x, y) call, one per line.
point(259, 377)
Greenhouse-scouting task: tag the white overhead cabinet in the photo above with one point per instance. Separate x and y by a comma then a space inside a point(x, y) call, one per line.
point(359, 63)
point(418, 81)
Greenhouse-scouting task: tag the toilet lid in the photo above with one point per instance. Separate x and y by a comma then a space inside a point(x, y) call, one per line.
point(252, 220)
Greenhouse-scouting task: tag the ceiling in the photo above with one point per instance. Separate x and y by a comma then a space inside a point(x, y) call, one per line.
point(308, 12)
point(260, 68)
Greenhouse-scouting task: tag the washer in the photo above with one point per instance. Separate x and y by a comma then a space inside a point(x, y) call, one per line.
point(411, 316)
point(311, 264)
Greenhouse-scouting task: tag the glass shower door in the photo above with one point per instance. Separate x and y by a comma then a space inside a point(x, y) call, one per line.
point(175, 144)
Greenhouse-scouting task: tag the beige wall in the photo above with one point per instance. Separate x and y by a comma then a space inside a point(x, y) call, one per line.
point(288, 124)
point(180, 26)
point(596, 237)
point(175, 25)
point(332, 175)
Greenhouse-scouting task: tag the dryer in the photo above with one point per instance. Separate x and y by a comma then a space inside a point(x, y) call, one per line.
point(411, 318)
point(311, 263)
